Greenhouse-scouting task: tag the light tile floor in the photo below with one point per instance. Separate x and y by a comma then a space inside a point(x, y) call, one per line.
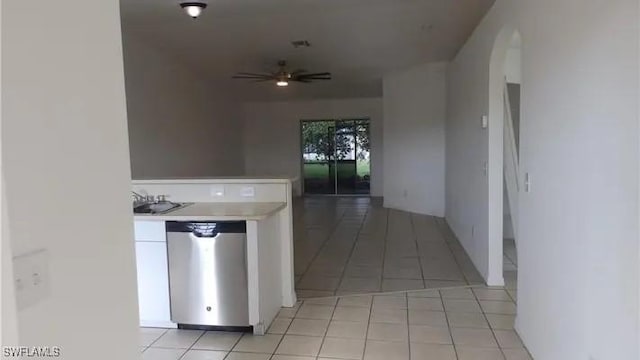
point(470, 323)
point(467, 322)
point(353, 245)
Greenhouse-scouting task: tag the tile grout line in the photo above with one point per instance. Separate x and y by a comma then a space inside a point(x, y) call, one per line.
point(233, 346)
point(455, 258)
point(406, 301)
point(484, 314)
point(191, 346)
point(326, 331)
point(290, 322)
point(415, 239)
point(384, 250)
point(333, 227)
point(353, 247)
point(276, 348)
point(158, 338)
point(446, 317)
point(273, 352)
point(324, 244)
point(366, 335)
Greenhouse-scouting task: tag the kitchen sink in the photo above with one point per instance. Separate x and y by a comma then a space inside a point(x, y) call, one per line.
point(157, 208)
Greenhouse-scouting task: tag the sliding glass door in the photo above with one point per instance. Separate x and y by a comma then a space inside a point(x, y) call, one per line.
point(336, 157)
point(318, 157)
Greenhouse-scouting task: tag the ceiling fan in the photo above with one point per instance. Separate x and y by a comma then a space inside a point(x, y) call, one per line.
point(282, 77)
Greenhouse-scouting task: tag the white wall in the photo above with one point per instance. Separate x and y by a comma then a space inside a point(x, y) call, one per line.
point(272, 134)
point(414, 139)
point(513, 75)
point(507, 225)
point(66, 165)
point(578, 237)
point(512, 66)
point(8, 311)
point(178, 125)
point(9, 329)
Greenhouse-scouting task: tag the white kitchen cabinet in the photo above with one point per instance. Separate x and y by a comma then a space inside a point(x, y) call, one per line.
point(150, 230)
point(153, 284)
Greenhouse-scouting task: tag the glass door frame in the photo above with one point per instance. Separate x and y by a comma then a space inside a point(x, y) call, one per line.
point(356, 122)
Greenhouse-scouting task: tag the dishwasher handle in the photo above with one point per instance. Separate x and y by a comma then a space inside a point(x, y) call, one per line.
point(204, 229)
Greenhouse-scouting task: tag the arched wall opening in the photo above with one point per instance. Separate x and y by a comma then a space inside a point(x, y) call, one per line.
point(505, 68)
point(511, 165)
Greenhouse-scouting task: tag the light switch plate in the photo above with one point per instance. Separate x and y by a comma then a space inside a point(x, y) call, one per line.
point(31, 278)
point(484, 122)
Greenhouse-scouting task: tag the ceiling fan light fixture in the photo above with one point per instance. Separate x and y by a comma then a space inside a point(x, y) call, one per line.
point(284, 77)
point(193, 8)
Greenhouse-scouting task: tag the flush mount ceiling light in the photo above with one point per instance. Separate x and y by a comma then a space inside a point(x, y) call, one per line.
point(193, 8)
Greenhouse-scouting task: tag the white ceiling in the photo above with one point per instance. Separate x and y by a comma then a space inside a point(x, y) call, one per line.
point(357, 40)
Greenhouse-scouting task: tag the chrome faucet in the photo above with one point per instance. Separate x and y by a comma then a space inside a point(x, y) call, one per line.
point(138, 199)
point(150, 204)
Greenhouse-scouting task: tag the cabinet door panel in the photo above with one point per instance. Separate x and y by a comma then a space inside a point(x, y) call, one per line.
point(149, 230)
point(153, 283)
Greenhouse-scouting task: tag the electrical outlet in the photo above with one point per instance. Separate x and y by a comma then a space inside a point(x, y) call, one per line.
point(248, 191)
point(31, 278)
point(405, 193)
point(217, 191)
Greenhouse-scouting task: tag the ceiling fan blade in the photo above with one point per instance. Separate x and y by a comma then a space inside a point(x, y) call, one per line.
point(298, 75)
point(324, 75)
point(253, 74)
point(252, 77)
point(315, 78)
point(306, 79)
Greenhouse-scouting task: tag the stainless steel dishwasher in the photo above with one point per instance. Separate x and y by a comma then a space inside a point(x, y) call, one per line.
point(208, 273)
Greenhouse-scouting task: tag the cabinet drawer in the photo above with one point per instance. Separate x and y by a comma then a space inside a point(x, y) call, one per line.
point(150, 231)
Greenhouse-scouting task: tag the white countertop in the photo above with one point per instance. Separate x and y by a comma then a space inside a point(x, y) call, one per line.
point(218, 212)
point(218, 180)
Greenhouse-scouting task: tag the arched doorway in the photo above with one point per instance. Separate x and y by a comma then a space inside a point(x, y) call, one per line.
point(503, 161)
point(511, 162)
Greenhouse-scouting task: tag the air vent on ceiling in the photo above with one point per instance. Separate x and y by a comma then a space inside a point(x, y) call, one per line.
point(300, 43)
